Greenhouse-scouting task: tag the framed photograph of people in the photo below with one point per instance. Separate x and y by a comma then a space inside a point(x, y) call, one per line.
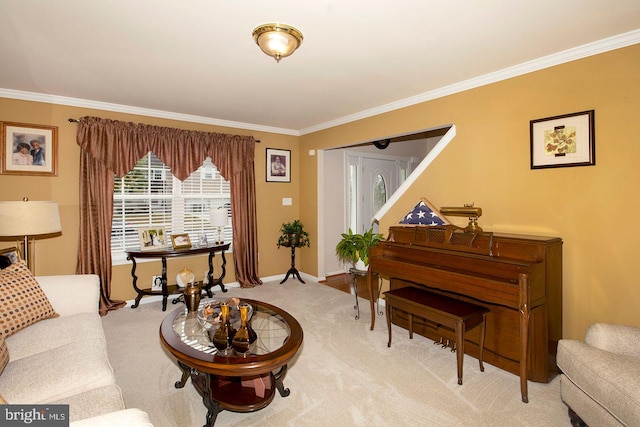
point(278, 165)
point(152, 238)
point(9, 256)
point(180, 241)
point(29, 149)
point(563, 141)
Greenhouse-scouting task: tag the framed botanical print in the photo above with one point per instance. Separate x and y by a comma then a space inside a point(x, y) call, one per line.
point(563, 141)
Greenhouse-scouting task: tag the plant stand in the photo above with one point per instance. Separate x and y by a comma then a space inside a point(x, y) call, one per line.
point(292, 271)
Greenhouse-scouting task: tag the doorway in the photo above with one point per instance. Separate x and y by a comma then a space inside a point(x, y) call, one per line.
point(340, 170)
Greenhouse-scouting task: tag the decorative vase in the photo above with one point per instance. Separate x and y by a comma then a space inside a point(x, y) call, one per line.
point(246, 336)
point(224, 335)
point(192, 293)
point(360, 265)
point(184, 277)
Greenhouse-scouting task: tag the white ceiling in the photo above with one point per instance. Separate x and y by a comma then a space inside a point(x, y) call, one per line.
point(195, 60)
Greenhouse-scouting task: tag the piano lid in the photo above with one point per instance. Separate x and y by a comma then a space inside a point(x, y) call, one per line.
point(447, 237)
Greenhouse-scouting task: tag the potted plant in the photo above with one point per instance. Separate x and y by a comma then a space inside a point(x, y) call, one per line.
point(293, 234)
point(353, 248)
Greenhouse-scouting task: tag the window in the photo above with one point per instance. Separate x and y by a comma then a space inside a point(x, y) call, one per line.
point(149, 195)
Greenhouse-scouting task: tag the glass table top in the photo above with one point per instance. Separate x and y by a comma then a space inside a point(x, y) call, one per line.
point(272, 329)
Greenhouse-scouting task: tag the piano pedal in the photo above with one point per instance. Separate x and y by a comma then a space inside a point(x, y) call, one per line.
point(446, 344)
point(439, 342)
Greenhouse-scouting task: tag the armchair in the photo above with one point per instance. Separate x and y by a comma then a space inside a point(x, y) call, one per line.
point(600, 381)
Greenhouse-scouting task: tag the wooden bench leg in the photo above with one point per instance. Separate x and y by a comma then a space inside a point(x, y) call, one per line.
point(460, 350)
point(410, 326)
point(388, 313)
point(482, 332)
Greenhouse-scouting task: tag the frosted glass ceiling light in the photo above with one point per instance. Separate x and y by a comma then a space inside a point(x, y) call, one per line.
point(277, 40)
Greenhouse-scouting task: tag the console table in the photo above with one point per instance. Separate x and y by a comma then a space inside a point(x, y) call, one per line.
point(163, 254)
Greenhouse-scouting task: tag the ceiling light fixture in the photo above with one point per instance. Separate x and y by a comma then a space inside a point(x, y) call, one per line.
point(277, 40)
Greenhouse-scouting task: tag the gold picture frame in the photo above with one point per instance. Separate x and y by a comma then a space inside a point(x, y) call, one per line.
point(29, 149)
point(180, 241)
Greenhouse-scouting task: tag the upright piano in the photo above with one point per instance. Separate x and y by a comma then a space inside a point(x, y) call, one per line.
point(518, 277)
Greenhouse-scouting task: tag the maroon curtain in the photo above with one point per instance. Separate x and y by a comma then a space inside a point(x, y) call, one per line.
point(113, 147)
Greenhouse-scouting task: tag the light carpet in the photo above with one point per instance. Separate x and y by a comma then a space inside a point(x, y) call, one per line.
point(344, 374)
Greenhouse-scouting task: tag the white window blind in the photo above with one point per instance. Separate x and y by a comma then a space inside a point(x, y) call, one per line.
point(149, 195)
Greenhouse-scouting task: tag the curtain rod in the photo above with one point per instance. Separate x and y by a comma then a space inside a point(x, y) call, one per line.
point(72, 120)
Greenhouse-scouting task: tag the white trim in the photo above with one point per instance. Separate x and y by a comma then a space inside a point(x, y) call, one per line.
point(589, 49)
point(105, 106)
point(444, 141)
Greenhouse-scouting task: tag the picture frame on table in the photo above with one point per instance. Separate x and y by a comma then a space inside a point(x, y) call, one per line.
point(10, 256)
point(28, 149)
point(180, 241)
point(152, 238)
point(563, 141)
point(278, 165)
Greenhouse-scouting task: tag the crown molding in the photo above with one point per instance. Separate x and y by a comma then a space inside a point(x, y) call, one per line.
point(586, 50)
point(590, 49)
point(105, 106)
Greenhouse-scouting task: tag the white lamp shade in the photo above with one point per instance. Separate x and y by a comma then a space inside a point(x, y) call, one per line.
point(218, 217)
point(20, 218)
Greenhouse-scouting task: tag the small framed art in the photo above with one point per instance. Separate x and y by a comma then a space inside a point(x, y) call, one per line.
point(278, 165)
point(180, 241)
point(29, 149)
point(563, 141)
point(11, 254)
point(152, 238)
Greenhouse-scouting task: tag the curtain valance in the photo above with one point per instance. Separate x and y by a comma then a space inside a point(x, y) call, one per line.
point(119, 145)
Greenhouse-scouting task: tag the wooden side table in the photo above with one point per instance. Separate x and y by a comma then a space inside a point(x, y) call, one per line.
point(292, 271)
point(163, 254)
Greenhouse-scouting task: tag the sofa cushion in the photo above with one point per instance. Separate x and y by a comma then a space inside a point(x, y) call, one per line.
point(612, 381)
point(92, 403)
point(53, 375)
point(128, 417)
point(22, 301)
point(49, 334)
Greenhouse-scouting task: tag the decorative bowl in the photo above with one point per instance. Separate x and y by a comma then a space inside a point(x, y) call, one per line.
point(209, 312)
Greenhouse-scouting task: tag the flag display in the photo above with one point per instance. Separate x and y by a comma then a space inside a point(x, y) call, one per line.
point(424, 214)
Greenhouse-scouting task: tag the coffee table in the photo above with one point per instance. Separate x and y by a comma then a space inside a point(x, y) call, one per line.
point(234, 383)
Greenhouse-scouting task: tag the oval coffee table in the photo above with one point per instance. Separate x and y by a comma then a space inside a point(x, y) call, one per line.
point(234, 383)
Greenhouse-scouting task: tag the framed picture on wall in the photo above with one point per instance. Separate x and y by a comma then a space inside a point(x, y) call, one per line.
point(29, 149)
point(563, 141)
point(278, 165)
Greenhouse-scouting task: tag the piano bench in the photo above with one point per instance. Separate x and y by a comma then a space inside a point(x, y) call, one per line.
point(461, 316)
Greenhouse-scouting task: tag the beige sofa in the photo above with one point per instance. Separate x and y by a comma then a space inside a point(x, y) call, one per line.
point(63, 360)
point(600, 380)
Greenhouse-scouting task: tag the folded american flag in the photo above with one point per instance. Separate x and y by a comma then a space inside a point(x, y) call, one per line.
point(424, 214)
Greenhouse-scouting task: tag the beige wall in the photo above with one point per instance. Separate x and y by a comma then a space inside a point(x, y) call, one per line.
point(590, 208)
point(487, 163)
point(58, 255)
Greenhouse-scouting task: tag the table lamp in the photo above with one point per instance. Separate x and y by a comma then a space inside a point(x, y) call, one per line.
point(218, 218)
point(28, 219)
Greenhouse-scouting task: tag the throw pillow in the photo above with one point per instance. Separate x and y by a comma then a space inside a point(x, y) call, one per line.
point(22, 301)
point(4, 354)
point(4, 359)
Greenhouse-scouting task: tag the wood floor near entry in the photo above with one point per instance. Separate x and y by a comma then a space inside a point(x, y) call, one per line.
point(344, 282)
